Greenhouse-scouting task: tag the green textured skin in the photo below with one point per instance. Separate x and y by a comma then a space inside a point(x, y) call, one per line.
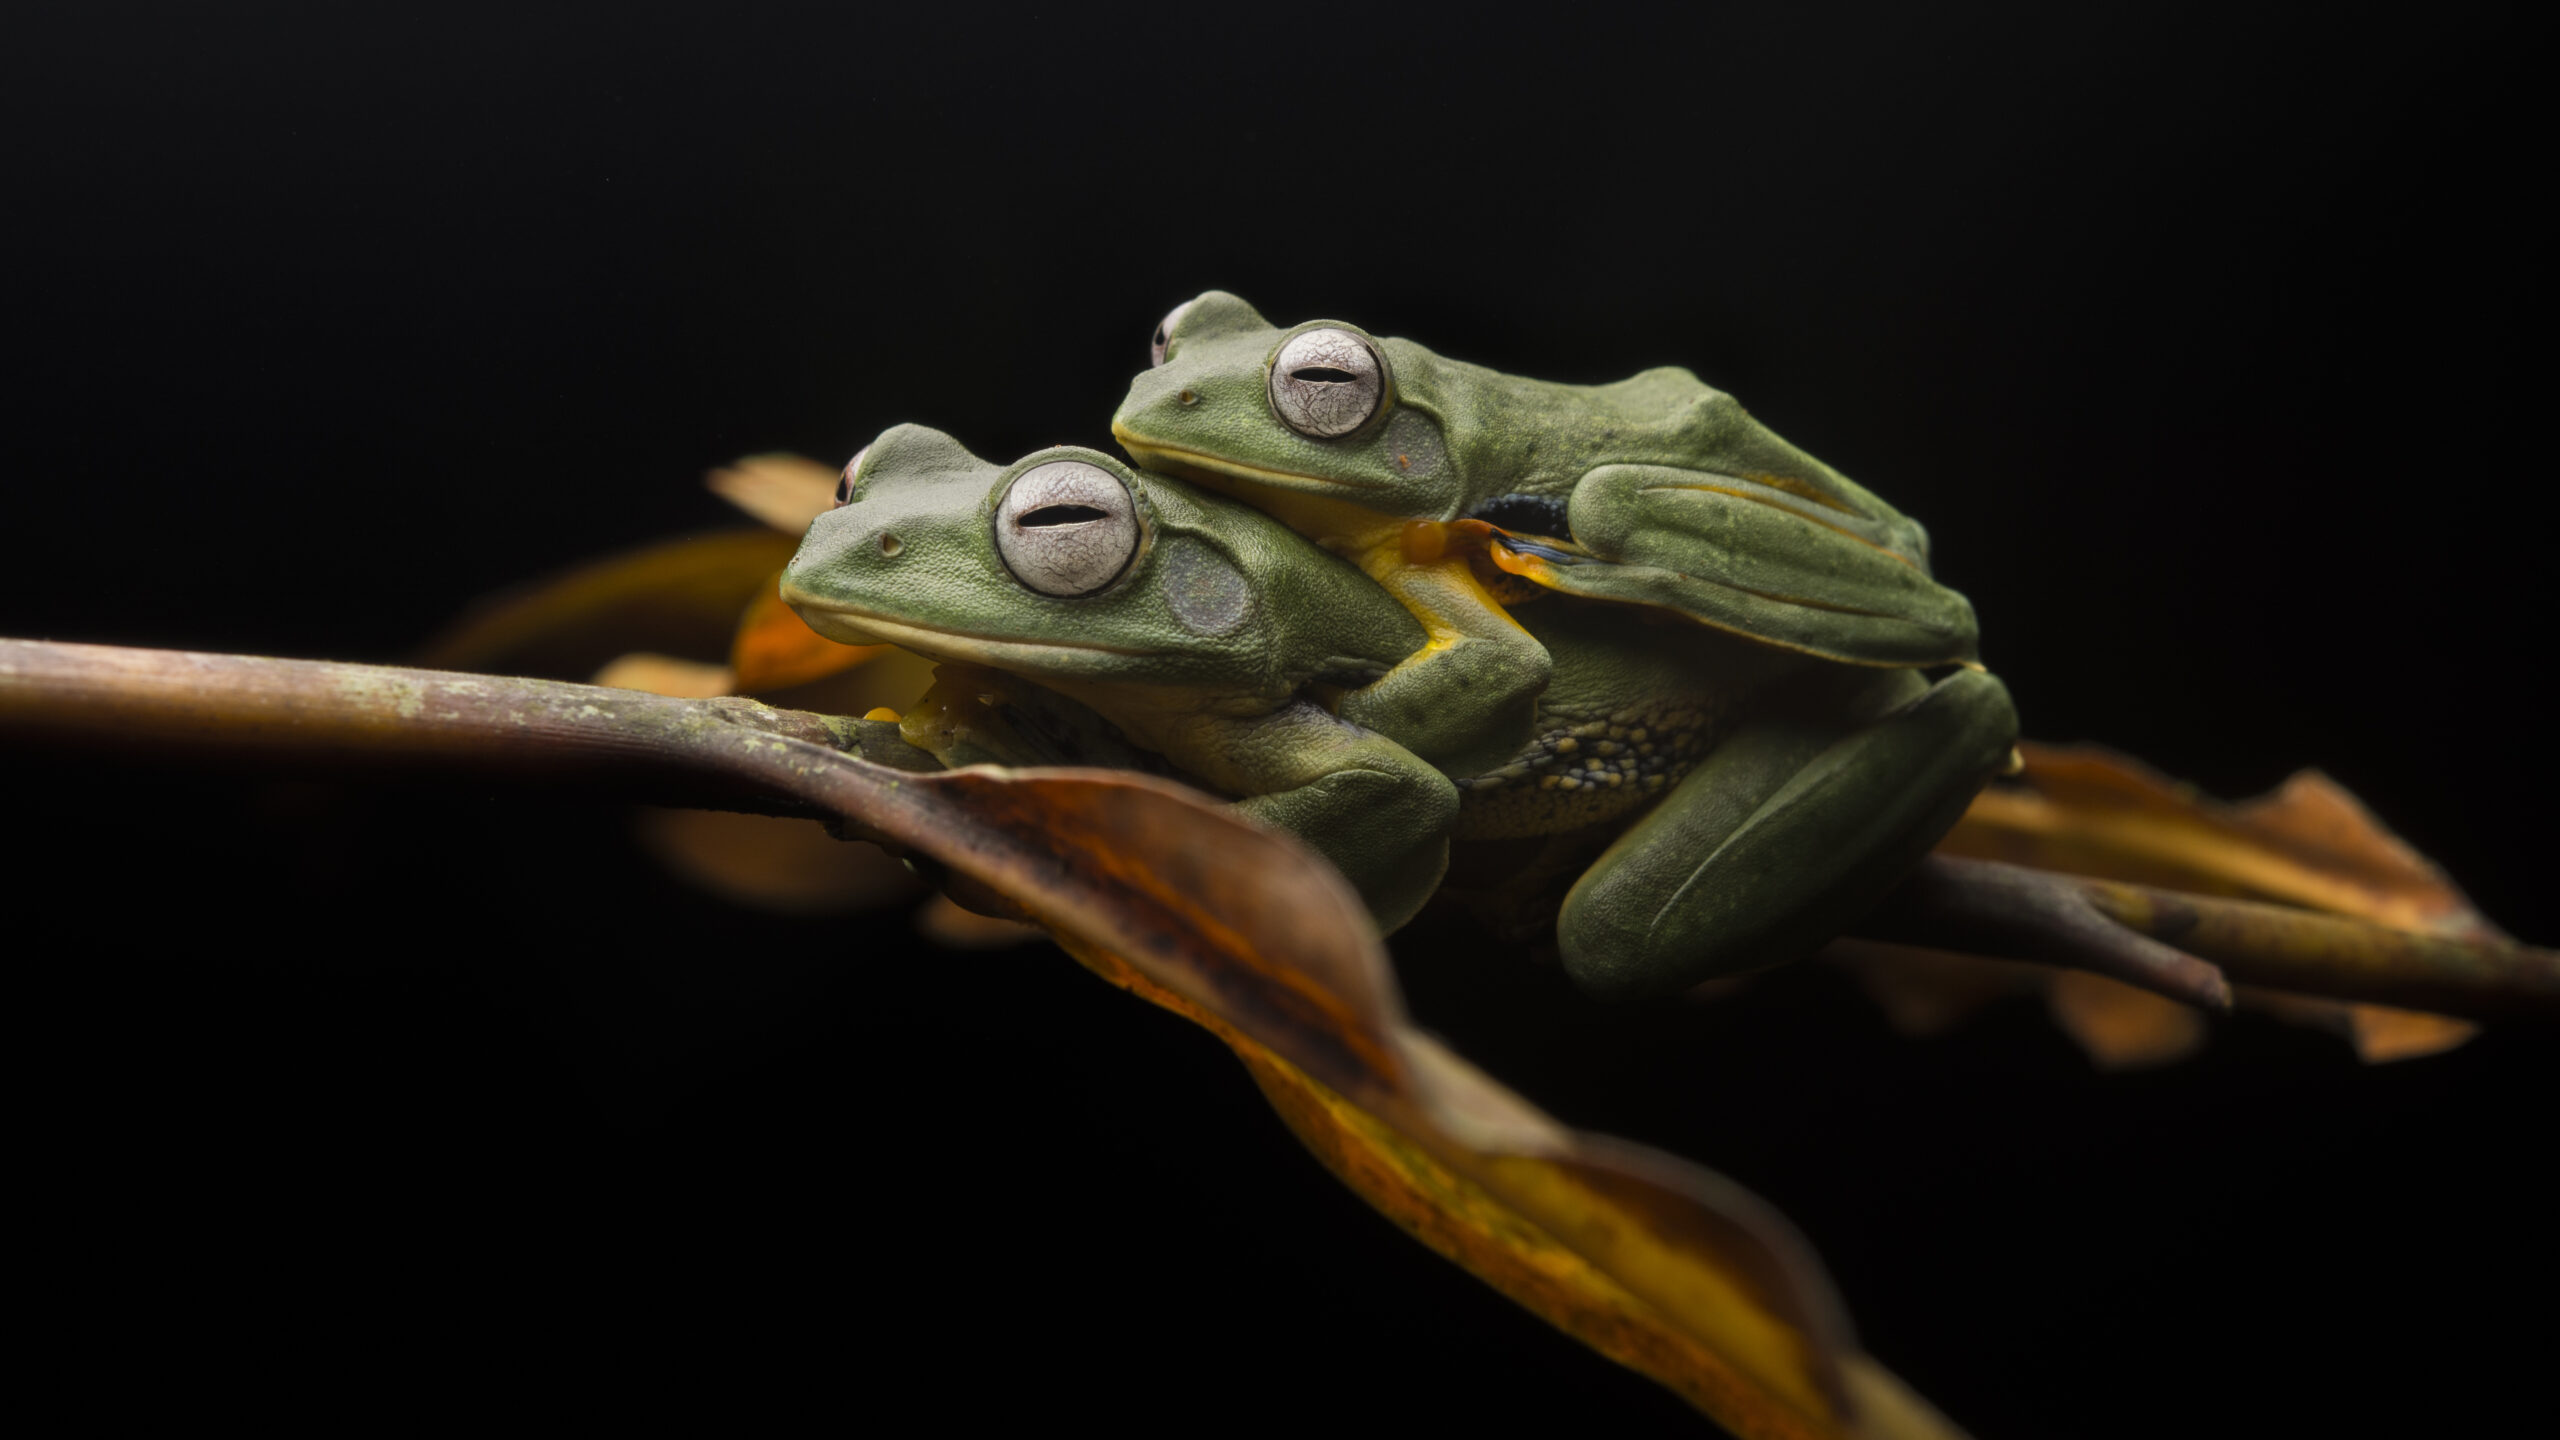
point(1798, 821)
point(1227, 703)
point(1756, 798)
point(940, 501)
point(1782, 549)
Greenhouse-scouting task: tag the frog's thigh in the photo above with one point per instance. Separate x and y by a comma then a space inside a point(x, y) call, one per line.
point(1465, 701)
point(1784, 835)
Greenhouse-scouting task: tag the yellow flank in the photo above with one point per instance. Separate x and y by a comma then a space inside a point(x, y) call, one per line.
point(1448, 599)
point(1441, 592)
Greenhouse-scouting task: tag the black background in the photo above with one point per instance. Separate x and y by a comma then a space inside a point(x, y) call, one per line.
point(2203, 338)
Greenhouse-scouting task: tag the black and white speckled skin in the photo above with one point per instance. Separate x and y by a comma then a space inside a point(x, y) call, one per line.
point(1634, 705)
point(1577, 774)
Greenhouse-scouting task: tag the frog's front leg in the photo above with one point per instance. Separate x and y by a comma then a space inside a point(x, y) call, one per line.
point(1367, 804)
point(1786, 832)
point(1464, 701)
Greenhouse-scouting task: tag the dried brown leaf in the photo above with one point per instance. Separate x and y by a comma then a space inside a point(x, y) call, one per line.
point(948, 924)
point(2091, 811)
point(791, 867)
point(2309, 843)
point(776, 650)
point(681, 598)
point(1927, 992)
point(666, 675)
point(785, 492)
point(2120, 1027)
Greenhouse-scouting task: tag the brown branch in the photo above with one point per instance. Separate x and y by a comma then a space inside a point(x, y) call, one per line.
point(2281, 948)
point(2009, 912)
point(127, 704)
point(2184, 946)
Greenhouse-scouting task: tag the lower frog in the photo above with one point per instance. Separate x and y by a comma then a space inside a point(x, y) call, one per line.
point(1707, 805)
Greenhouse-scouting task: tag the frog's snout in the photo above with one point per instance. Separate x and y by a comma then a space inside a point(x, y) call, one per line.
point(843, 567)
point(1156, 402)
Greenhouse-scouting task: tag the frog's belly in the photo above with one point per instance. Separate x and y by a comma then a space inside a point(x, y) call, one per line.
point(1578, 773)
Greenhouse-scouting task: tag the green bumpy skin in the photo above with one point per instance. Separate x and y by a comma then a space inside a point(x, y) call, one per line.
point(1204, 647)
point(1702, 805)
point(1670, 494)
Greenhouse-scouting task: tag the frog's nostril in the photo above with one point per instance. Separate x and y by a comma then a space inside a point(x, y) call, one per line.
point(890, 545)
point(1188, 397)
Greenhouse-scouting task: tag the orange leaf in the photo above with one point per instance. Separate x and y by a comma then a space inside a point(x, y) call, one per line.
point(680, 598)
point(786, 492)
point(2090, 811)
point(665, 675)
point(775, 650)
point(791, 867)
point(2087, 810)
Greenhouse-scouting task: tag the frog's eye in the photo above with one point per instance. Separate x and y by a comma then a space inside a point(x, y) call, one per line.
point(845, 487)
point(1327, 383)
point(1164, 334)
point(1067, 528)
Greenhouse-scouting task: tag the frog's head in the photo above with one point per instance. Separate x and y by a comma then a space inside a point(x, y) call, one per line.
point(1068, 566)
point(1237, 403)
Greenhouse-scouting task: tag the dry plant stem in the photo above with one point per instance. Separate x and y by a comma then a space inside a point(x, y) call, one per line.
point(738, 754)
point(2181, 945)
point(2281, 948)
point(2009, 912)
point(304, 716)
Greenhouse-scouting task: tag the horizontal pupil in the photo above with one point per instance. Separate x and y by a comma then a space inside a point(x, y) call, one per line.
point(1062, 515)
point(1325, 373)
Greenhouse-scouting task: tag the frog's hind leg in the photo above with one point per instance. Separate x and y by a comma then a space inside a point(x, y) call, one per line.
point(1786, 832)
point(1782, 561)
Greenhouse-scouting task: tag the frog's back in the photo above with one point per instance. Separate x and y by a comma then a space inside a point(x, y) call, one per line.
point(1541, 437)
point(1537, 437)
point(1664, 492)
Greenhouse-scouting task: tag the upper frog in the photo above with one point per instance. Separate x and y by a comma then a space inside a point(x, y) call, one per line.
point(1657, 490)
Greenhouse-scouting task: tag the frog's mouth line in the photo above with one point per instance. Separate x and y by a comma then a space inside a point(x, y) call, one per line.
point(931, 640)
point(1192, 465)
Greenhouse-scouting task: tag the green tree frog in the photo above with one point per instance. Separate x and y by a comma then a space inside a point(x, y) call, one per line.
point(1705, 804)
point(1656, 490)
